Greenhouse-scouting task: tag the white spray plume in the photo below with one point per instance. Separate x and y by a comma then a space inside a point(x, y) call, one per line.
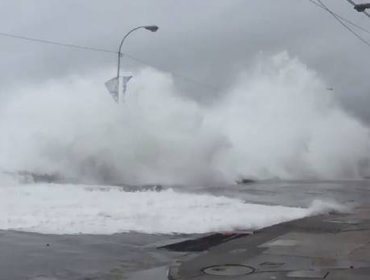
point(278, 120)
point(329, 206)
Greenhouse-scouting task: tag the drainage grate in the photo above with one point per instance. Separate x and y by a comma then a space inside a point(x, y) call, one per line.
point(203, 243)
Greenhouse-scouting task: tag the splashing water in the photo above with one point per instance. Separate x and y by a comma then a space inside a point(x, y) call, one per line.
point(277, 120)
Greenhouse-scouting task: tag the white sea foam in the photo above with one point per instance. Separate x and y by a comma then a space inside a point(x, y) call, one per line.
point(75, 209)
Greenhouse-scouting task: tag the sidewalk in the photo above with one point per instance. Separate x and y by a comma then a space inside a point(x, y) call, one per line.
point(335, 246)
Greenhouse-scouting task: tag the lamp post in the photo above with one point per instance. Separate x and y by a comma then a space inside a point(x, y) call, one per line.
point(113, 85)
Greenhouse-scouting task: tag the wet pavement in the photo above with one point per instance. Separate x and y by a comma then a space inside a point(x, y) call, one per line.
point(335, 246)
point(52, 257)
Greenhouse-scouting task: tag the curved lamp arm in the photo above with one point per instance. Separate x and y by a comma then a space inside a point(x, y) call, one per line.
point(152, 28)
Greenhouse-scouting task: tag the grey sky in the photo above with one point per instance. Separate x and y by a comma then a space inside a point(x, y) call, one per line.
point(208, 40)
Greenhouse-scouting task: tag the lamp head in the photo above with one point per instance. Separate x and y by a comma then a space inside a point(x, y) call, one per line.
point(361, 7)
point(152, 28)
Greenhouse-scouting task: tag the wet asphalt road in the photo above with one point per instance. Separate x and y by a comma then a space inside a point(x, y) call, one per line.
point(136, 256)
point(50, 257)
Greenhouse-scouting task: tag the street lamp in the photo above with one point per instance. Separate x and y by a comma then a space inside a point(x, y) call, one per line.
point(113, 84)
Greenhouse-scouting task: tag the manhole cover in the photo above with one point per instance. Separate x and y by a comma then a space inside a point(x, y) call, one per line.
point(228, 270)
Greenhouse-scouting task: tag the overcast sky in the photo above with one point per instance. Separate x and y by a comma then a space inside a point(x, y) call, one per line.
point(209, 40)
